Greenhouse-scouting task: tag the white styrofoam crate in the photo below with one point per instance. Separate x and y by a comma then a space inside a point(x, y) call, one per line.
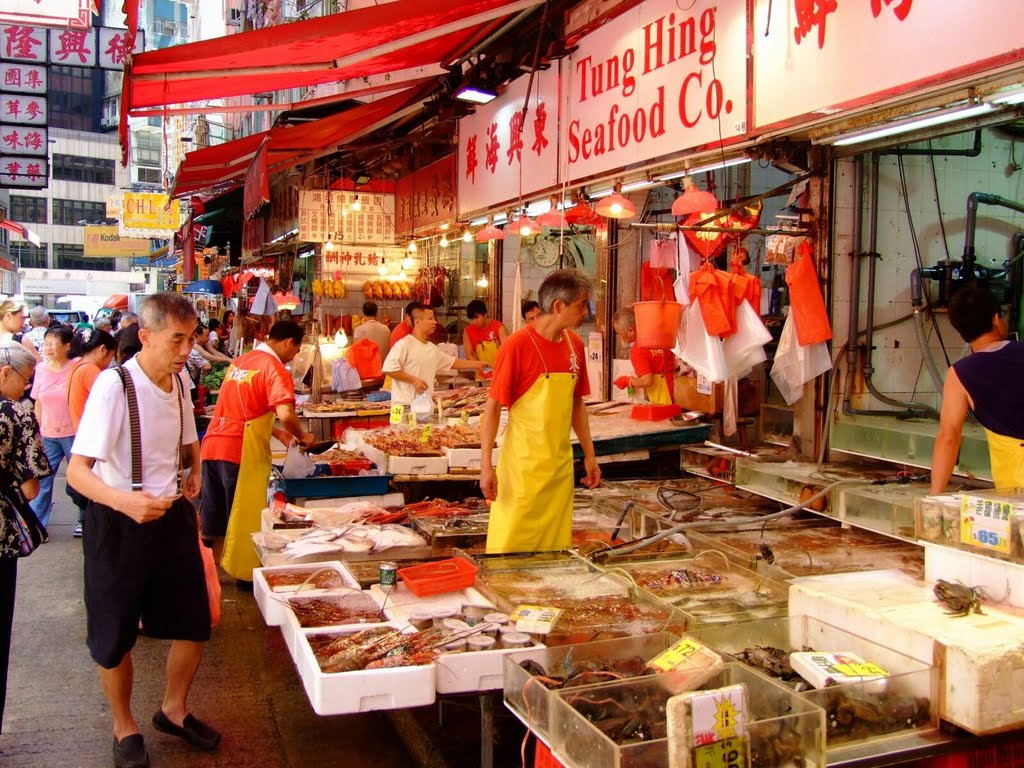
point(418, 465)
point(474, 670)
point(271, 603)
point(996, 577)
point(980, 655)
point(468, 458)
point(292, 630)
point(343, 693)
point(400, 603)
point(393, 499)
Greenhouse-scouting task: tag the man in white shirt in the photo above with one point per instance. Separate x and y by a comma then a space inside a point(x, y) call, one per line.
point(413, 362)
point(373, 330)
point(141, 544)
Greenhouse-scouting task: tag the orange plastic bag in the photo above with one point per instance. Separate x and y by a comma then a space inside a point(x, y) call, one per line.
point(212, 582)
point(364, 356)
point(805, 300)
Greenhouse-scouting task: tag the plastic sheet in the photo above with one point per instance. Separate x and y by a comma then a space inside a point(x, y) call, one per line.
point(796, 364)
point(745, 348)
point(700, 350)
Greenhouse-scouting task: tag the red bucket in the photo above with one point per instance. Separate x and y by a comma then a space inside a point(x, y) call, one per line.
point(657, 322)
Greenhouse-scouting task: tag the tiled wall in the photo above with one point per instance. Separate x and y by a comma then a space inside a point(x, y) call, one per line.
point(898, 359)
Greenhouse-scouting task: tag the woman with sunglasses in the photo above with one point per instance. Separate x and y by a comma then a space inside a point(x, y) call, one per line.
point(22, 464)
point(53, 412)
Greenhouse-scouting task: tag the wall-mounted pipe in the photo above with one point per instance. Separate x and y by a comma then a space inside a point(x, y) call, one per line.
point(974, 151)
point(970, 225)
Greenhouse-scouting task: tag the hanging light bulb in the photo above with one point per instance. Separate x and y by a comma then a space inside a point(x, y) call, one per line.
point(412, 246)
point(615, 206)
point(554, 218)
point(467, 236)
point(482, 282)
point(693, 200)
point(407, 262)
point(356, 205)
point(383, 268)
point(523, 226)
point(402, 276)
point(444, 241)
point(328, 246)
point(444, 227)
point(490, 232)
point(340, 339)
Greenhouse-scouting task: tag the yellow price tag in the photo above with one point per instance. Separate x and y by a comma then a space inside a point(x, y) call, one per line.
point(862, 669)
point(412, 418)
point(728, 753)
point(985, 523)
point(687, 652)
point(425, 437)
point(396, 413)
point(535, 619)
point(464, 418)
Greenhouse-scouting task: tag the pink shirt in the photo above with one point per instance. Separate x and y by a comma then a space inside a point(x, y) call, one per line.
point(50, 391)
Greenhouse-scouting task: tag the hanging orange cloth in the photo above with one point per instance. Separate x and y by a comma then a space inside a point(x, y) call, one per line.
point(805, 299)
point(714, 299)
point(751, 283)
point(364, 356)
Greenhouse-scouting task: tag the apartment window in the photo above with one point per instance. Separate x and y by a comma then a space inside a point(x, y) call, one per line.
point(74, 211)
point(146, 148)
point(28, 210)
point(73, 98)
point(67, 256)
point(88, 169)
point(24, 254)
point(149, 175)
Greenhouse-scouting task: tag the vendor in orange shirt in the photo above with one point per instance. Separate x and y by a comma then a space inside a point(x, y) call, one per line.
point(404, 328)
point(654, 368)
point(236, 451)
point(482, 336)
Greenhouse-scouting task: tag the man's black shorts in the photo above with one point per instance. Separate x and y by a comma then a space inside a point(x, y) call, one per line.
point(148, 571)
point(219, 481)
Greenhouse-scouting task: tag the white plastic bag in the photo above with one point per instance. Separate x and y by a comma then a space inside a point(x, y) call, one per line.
point(344, 378)
point(297, 464)
point(745, 348)
point(700, 350)
point(422, 406)
point(795, 365)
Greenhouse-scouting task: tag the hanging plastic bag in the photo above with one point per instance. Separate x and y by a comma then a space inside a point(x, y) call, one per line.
point(422, 406)
point(297, 464)
point(807, 307)
point(682, 282)
point(714, 302)
point(701, 350)
point(745, 348)
point(664, 254)
point(344, 378)
point(796, 364)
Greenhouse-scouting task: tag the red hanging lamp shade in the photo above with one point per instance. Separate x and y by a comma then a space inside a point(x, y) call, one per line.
point(694, 200)
point(490, 232)
point(554, 218)
point(523, 226)
point(582, 214)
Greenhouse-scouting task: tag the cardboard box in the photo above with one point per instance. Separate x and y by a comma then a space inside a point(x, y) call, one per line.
point(687, 396)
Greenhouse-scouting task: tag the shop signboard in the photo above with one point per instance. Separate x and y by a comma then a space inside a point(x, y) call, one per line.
point(22, 108)
point(425, 198)
point(149, 214)
point(16, 77)
point(504, 154)
point(28, 140)
point(70, 14)
point(18, 172)
point(106, 242)
point(655, 81)
point(346, 217)
point(365, 261)
point(820, 57)
point(103, 47)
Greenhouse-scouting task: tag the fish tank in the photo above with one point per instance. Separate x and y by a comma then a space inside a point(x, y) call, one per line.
point(938, 519)
point(900, 703)
point(888, 508)
point(636, 723)
point(790, 482)
point(532, 677)
point(595, 604)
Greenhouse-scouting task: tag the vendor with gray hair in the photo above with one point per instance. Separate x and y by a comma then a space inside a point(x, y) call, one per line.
point(39, 321)
point(541, 377)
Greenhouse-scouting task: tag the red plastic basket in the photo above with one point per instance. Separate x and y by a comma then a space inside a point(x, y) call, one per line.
point(649, 412)
point(440, 577)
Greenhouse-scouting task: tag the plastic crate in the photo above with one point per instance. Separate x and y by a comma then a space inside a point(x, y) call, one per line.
point(440, 577)
point(650, 412)
point(336, 487)
point(378, 397)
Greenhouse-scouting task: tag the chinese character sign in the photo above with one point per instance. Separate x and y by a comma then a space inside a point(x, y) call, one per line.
point(114, 46)
point(313, 215)
point(105, 47)
point(22, 78)
point(22, 109)
point(425, 199)
point(654, 81)
point(23, 172)
point(22, 43)
point(73, 47)
point(504, 153)
point(65, 14)
point(892, 42)
point(372, 221)
point(23, 140)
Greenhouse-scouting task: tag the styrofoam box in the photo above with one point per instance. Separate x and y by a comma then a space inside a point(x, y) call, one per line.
point(292, 630)
point(474, 670)
point(343, 693)
point(418, 465)
point(994, 576)
point(387, 500)
point(980, 655)
point(468, 458)
point(400, 603)
point(275, 613)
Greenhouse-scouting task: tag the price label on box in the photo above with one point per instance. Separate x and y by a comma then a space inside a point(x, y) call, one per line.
point(686, 654)
point(535, 619)
point(728, 753)
point(861, 669)
point(985, 523)
point(425, 437)
point(396, 413)
point(718, 715)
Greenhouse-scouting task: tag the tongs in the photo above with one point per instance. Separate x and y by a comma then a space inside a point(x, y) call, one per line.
point(322, 447)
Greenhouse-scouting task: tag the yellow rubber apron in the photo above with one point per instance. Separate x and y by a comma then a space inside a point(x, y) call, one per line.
point(487, 352)
point(250, 498)
point(533, 510)
point(658, 392)
point(1006, 455)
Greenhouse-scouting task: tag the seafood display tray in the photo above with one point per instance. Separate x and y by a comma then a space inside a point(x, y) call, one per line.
point(781, 728)
point(993, 576)
point(275, 613)
point(292, 630)
point(978, 655)
point(344, 693)
point(468, 458)
point(856, 712)
point(446, 534)
point(335, 487)
point(531, 701)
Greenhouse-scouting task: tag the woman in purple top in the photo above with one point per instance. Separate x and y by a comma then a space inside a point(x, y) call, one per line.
point(52, 411)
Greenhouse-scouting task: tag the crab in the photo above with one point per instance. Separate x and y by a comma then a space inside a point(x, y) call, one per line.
point(960, 599)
